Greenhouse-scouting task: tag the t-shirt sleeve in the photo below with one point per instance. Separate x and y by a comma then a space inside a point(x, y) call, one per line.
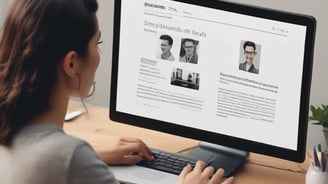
point(86, 167)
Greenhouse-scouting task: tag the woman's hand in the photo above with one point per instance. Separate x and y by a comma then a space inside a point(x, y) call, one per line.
point(202, 175)
point(124, 151)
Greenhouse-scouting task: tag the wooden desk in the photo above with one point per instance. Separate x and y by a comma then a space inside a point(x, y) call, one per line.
point(97, 129)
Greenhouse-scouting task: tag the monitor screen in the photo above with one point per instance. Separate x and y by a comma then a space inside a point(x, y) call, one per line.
point(219, 72)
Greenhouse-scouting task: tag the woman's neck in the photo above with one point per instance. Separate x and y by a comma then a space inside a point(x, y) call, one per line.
point(55, 113)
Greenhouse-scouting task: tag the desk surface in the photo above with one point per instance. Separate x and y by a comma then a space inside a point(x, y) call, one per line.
point(97, 129)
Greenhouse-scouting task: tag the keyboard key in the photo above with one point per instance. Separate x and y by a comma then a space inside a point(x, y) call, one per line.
point(167, 162)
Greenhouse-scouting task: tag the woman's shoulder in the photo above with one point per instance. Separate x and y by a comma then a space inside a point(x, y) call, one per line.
point(46, 154)
point(38, 136)
point(46, 142)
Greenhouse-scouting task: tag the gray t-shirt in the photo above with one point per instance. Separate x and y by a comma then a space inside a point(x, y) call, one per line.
point(44, 154)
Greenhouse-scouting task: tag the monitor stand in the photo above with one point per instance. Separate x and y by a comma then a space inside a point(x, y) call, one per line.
point(219, 157)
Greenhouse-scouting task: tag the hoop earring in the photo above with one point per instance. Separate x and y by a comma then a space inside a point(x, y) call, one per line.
point(93, 89)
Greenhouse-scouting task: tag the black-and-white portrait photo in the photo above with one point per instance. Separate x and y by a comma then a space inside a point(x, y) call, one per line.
point(188, 51)
point(249, 57)
point(166, 43)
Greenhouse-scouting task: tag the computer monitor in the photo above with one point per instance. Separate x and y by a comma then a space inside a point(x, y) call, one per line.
point(236, 77)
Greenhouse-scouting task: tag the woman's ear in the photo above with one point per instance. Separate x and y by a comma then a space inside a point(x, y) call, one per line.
point(70, 64)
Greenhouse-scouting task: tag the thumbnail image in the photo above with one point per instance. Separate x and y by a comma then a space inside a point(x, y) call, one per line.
point(249, 57)
point(188, 51)
point(166, 43)
point(184, 78)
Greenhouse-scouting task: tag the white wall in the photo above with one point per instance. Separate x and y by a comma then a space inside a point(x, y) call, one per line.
point(316, 8)
point(4, 4)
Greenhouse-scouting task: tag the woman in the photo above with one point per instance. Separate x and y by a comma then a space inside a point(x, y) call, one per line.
point(48, 53)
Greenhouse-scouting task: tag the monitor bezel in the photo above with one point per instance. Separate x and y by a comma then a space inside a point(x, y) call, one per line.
point(225, 140)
